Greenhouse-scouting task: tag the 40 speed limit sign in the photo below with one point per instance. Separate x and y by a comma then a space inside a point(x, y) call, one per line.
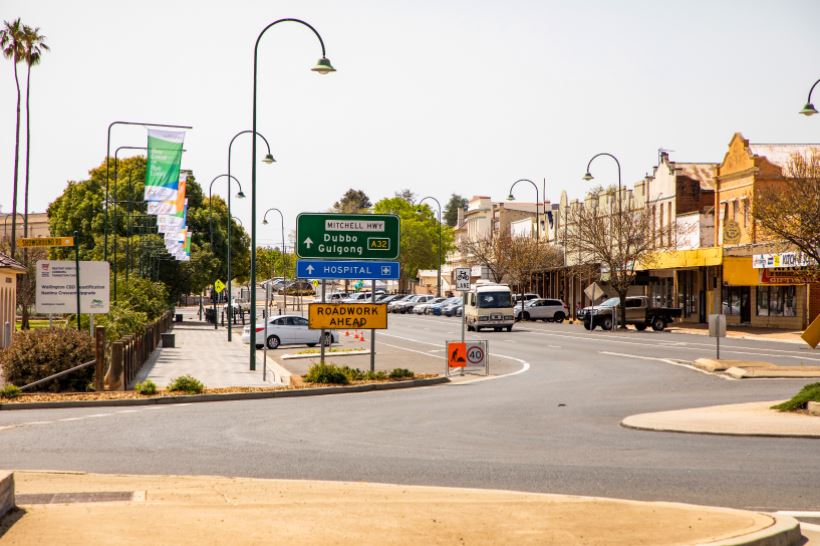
point(469, 356)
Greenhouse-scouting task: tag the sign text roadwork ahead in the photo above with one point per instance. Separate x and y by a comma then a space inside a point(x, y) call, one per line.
point(347, 315)
point(347, 236)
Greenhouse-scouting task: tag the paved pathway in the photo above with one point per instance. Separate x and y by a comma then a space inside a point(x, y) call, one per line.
point(207, 355)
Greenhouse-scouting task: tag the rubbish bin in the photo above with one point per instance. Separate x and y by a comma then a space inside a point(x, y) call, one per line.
point(210, 315)
point(178, 317)
point(168, 339)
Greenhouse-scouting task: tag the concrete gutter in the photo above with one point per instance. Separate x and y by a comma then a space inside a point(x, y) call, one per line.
point(747, 369)
point(784, 532)
point(6, 492)
point(190, 398)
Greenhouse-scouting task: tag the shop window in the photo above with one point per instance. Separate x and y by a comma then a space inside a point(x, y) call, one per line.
point(776, 301)
point(731, 300)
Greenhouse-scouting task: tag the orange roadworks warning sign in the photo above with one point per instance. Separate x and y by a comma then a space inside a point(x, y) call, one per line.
point(812, 333)
point(360, 316)
point(457, 355)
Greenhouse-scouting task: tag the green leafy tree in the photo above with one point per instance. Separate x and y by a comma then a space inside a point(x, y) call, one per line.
point(353, 201)
point(13, 46)
point(270, 261)
point(419, 236)
point(452, 207)
point(407, 195)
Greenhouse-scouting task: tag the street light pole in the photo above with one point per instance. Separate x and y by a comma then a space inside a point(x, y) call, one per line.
point(323, 66)
point(809, 109)
point(284, 268)
point(588, 176)
point(240, 195)
point(438, 283)
point(537, 219)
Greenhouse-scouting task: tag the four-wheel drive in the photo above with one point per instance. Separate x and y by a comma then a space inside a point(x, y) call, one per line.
point(639, 313)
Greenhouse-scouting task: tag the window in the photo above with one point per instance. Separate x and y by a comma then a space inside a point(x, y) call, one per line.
point(494, 300)
point(299, 321)
point(731, 300)
point(633, 303)
point(734, 210)
point(669, 219)
point(776, 301)
point(745, 213)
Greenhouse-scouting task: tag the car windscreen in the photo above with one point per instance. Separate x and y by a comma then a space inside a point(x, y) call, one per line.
point(494, 300)
point(611, 302)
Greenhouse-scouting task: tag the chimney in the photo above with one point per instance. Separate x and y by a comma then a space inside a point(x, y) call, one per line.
point(460, 217)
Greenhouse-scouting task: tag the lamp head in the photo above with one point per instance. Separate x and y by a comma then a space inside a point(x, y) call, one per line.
point(808, 110)
point(588, 176)
point(240, 195)
point(265, 221)
point(268, 159)
point(323, 66)
point(511, 197)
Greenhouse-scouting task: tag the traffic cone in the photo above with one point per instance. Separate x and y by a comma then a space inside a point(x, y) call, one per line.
point(347, 333)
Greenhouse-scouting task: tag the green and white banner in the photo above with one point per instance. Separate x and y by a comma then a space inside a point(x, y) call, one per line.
point(162, 169)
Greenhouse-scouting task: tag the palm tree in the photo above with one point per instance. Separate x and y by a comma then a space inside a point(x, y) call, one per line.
point(35, 46)
point(11, 41)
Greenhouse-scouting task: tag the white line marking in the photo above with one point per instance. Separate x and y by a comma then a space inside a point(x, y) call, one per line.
point(406, 349)
point(669, 361)
point(71, 419)
point(37, 423)
point(93, 415)
point(128, 411)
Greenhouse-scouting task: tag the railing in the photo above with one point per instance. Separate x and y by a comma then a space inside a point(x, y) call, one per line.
point(58, 374)
point(132, 351)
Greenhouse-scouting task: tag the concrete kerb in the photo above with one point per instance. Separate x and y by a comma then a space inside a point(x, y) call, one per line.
point(187, 399)
point(784, 532)
point(6, 492)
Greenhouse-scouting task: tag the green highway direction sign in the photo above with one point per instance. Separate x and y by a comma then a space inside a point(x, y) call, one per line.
point(347, 236)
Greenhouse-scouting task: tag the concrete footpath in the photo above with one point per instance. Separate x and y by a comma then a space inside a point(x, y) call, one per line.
point(82, 509)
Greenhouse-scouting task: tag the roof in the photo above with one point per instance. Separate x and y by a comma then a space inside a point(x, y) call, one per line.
point(781, 154)
point(7, 262)
point(702, 172)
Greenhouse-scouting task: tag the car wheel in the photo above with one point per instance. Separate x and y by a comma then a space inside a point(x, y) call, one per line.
point(509, 328)
point(469, 328)
point(559, 317)
point(526, 316)
point(273, 342)
point(260, 346)
point(658, 324)
point(588, 326)
point(496, 329)
point(640, 327)
point(311, 345)
point(606, 324)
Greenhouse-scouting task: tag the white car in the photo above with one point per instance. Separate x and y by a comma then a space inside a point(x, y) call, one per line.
point(545, 309)
point(288, 330)
point(424, 308)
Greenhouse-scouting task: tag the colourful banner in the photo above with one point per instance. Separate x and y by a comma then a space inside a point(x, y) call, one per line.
point(162, 169)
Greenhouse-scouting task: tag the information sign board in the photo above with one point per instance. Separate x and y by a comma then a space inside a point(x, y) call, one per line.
point(347, 236)
point(364, 316)
point(56, 287)
point(347, 269)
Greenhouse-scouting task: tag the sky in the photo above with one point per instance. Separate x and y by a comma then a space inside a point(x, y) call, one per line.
point(439, 96)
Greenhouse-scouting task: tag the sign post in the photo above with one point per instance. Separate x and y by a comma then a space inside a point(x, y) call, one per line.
point(717, 330)
point(347, 236)
point(463, 286)
point(77, 277)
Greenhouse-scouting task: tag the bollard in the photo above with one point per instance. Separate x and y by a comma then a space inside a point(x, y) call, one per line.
point(114, 379)
point(99, 357)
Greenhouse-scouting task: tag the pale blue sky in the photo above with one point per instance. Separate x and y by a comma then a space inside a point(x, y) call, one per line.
point(438, 97)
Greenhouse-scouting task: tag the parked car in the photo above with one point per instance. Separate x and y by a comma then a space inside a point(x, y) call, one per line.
point(336, 297)
point(454, 309)
point(639, 312)
point(412, 301)
point(545, 309)
point(358, 297)
point(527, 296)
point(387, 298)
point(424, 308)
point(297, 288)
point(391, 307)
point(438, 308)
point(288, 330)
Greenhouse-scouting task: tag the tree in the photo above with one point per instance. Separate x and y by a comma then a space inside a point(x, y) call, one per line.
point(490, 252)
point(35, 45)
point(789, 210)
point(352, 202)
point(452, 207)
point(528, 256)
point(11, 41)
point(419, 236)
point(615, 240)
point(407, 195)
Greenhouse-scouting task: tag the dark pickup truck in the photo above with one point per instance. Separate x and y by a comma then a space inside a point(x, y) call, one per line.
point(639, 313)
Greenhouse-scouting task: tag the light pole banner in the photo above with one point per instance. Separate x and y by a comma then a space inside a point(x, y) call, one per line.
point(162, 169)
point(167, 223)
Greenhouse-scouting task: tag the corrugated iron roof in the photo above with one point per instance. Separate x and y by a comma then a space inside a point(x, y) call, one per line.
point(781, 154)
point(8, 262)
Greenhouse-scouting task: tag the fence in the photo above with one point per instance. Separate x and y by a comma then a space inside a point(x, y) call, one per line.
point(132, 351)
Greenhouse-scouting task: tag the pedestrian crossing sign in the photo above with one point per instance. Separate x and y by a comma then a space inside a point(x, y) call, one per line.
point(219, 286)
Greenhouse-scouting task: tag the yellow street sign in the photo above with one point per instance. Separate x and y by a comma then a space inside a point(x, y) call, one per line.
point(219, 286)
point(812, 333)
point(45, 241)
point(366, 316)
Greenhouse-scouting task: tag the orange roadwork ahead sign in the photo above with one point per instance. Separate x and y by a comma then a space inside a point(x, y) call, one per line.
point(45, 241)
point(363, 316)
point(457, 355)
point(812, 333)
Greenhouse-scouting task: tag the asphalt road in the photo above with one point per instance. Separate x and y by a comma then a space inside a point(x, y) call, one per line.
point(553, 427)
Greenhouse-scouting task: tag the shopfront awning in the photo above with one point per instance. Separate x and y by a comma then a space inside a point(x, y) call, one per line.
point(675, 259)
point(738, 271)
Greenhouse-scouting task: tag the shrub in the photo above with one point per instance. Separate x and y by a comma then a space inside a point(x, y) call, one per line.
point(10, 391)
point(186, 384)
point(327, 374)
point(401, 373)
point(143, 296)
point(146, 387)
point(36, 354)
point(809, 393)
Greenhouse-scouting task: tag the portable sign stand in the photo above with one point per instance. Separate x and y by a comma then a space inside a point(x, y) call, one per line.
point(469, 356)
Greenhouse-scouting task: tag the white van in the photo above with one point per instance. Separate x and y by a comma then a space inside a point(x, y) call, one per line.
point(489, 306)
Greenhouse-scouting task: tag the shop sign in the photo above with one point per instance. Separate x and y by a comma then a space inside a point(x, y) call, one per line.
point(779, 260)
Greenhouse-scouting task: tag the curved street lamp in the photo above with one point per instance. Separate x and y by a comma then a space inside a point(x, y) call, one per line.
point(418, 207)
point(511, 197)
point(323, 66)
point(6, 222)
point(809, 109)
point(265, 222)
point(588, 177)
point(239, 195)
